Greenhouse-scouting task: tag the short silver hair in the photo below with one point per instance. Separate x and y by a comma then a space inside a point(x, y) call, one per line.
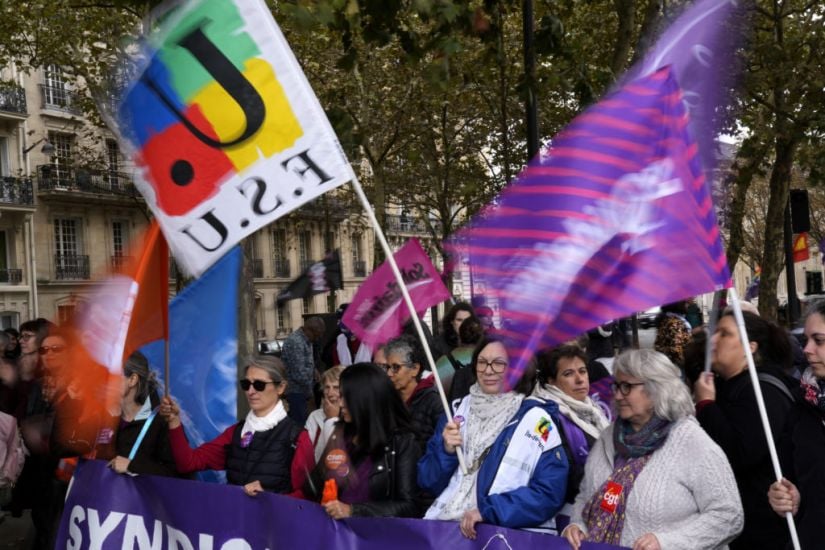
point(662, 379)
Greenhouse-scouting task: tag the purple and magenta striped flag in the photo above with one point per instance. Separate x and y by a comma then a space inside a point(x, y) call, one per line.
point(613, 217)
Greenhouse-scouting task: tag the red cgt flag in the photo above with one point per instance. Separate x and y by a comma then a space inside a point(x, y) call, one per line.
point(800, 248)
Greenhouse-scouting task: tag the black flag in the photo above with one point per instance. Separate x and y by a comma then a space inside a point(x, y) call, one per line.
point(322, 276)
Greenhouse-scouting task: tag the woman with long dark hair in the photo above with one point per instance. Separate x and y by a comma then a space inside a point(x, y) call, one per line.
point(369, 462)
point(448, 340)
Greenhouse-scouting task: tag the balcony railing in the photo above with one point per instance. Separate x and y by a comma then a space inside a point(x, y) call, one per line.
point(69, 267)
point(119, 262)
point(359, 268)
point(16, 191)
point(55, 177)
point(60, 99)
point(257, 268)
point(404, 224)
point(11, 276)
point(282, 270)
point(13, 100)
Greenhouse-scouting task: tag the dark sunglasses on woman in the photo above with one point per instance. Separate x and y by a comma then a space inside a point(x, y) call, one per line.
point(259, 385)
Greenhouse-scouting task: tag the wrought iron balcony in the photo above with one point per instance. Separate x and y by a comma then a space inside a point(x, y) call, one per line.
point(17, 191)
point(11, 276)
point(257, 268)
point(359, 268)
point(55, 177)
point(404, 224)
point(282, 270)
point(13, 100)
point(69, 267)
point(60, 99)
point(119, 262)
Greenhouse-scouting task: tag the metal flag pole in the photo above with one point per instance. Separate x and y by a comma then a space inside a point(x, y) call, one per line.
point(407, 300)
point(760, 403)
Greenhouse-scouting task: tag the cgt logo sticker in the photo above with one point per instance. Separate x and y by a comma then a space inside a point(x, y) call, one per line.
point(206, 108)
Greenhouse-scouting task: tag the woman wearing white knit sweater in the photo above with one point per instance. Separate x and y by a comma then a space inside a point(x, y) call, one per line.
point(655, 480)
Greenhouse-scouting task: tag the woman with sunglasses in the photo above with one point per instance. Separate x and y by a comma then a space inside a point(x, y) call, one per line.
point(368, 465)
point(142, 440)
point(267, 451)
point(654, 479)
point(405, 367)
point(517, 468)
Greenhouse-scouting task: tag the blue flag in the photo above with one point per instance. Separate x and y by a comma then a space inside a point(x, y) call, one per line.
point(203, 352)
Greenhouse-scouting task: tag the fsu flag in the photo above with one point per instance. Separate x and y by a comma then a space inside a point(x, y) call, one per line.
point(224, 127)
point(377, 312)
point(800, 248)
point(320, 277)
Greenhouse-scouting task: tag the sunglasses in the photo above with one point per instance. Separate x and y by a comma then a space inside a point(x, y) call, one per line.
point(259, 385)
point(45, 350)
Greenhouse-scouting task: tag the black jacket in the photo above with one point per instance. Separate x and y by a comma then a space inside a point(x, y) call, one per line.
point(154, 456)
point(802, 453)
point(733, 423)
point(425, 410)
point(392, 487)
point(267, 458)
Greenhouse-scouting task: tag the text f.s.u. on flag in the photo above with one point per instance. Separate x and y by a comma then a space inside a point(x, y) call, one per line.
point(224, 127)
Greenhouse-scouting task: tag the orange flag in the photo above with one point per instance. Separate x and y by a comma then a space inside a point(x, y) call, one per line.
point(800, 248)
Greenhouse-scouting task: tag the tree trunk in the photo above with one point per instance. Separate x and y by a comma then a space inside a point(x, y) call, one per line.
point(626, 12)
point(247, 328)
point(379, 201)
point(773, 256)
point(741, 181)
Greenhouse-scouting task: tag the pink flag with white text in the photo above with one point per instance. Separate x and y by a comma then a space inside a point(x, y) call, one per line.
point(378, 313)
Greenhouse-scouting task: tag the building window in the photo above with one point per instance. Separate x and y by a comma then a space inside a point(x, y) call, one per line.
point(331, 302)
point(120, 243)
point(329, 241)
point(65, 313)
point(113, 164)
point(279, 252)
point(359, 267)
point(307, 305)
point(305, 249)
point(9, 319)
point(5, 169)
point(69, 262)
point(62, 159)
point(283, 319)
point(54, 91)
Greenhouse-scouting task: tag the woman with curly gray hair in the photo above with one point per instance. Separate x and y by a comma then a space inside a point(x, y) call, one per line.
point(654, 479)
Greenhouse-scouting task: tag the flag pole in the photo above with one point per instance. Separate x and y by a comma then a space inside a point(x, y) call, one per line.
point(407, 300)
point(760, 403)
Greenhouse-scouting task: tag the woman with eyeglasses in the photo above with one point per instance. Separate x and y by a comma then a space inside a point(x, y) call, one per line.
point(405, 367)
point(654, 479)
point(726, 408)
point(267, 451)
point(368, 465)
point(142, 440)
point(516, 467)
point(563, 379)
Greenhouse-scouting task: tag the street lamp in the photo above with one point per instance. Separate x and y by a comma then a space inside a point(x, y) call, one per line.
point(48, 148)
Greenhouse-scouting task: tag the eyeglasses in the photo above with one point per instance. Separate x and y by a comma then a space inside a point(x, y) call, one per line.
point(497, 365)
point(259, 385)
point(395, 367)
point(45, 350)
point(26, 336)
point(624, 387)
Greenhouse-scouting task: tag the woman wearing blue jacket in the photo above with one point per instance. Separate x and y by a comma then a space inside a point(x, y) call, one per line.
point(517, 468)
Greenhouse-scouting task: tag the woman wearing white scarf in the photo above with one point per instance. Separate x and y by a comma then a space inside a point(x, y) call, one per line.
point(512, 449)
point(562, 377)
point(266, 452)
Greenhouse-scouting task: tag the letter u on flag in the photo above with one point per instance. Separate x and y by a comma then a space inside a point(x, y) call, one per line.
point(224, 127)
point(377, 312)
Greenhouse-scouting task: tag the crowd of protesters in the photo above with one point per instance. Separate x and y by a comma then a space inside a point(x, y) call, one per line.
point(596, 442)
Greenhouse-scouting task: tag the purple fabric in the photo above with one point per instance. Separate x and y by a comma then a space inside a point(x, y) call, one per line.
point(576, 439)
point(613, 218)
point(189, 514)
point(358, 486)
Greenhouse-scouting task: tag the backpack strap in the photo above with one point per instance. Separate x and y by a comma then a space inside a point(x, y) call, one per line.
point(776, 383)
point(142, 434)
point(454, 362)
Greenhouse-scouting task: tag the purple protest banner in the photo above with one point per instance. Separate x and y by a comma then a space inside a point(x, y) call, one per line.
point(376, 313)
point(106, 510)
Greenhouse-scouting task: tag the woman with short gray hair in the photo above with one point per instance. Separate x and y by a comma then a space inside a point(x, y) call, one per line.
point(654, 479)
